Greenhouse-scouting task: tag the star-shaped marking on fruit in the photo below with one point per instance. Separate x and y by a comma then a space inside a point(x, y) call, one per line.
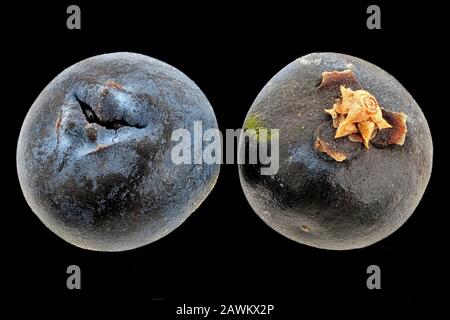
point(358, 115)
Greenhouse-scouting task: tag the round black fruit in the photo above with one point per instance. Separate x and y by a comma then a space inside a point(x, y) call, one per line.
point(94, 152)
point(355, 152)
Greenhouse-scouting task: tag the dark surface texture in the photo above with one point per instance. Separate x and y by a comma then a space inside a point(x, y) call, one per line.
point(321, 202)
point(224, 253)
point(94, 153)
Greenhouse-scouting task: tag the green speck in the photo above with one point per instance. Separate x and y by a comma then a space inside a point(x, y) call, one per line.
point(255, 123)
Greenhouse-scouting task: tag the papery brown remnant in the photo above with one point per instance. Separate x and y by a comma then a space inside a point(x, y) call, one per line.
point(357, 115)
point(339, 149)
point(394, 135)
point(334, 79)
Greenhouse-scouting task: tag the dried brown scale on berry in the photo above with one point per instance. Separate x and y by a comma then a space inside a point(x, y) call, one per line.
point(333, 80)
point(356, 114)
point(361, 126)
point(394, 135)
point(339, 149)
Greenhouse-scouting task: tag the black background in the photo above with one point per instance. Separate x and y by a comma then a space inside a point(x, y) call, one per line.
point(224, 253)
